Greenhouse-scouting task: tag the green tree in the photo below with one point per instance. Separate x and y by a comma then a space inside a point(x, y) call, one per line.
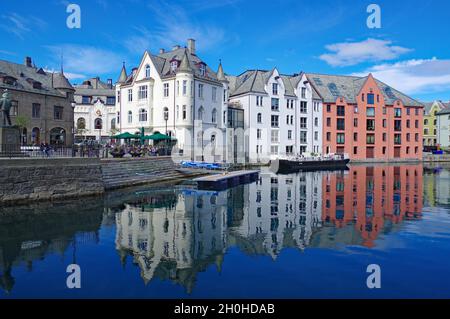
point(21, 122)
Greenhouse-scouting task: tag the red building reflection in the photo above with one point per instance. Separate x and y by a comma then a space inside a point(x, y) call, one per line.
point(367, 196)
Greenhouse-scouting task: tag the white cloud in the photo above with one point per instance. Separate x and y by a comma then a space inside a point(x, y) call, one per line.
point(174, 26)
point(19, 25)
point(370, 50)
point(414, 76)
point(69, 75)
point(86, 59)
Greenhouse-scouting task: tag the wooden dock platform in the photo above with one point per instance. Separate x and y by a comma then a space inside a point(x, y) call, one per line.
point(226, 180)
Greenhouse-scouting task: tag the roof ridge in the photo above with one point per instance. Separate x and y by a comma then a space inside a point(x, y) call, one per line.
point(392, 88)
point(336, 75)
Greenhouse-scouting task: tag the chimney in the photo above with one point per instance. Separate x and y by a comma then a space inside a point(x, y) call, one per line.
point(28, 62)
point(191, 45)
point(175, 47)
point(110, 83)
point(134, 70)
point(162, 51)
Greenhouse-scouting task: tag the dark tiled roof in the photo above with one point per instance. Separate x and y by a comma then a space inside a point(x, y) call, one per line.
point(162, 63)
point(26, 78)
point(331, 87)
point(254, 81)
point(94, 86)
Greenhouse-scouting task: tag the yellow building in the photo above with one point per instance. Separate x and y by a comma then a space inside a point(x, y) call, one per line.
point(430, 122)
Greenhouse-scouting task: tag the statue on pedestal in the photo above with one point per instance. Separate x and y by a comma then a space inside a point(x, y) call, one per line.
point(5, 107)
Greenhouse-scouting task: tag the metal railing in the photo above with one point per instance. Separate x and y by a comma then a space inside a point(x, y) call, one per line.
point(17, 151)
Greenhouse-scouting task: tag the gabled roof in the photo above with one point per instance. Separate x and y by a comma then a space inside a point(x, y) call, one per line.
point(25, 77)
point(94, 86)
point(445, 110)
point(162, 64)
point(249, 81)
point(254, 81)
point(330, 87)
point(427, 107)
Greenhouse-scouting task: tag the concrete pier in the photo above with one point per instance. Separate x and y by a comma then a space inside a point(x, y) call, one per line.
point(226, 180)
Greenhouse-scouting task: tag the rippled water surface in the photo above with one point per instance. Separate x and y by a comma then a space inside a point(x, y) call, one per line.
point(305, 235)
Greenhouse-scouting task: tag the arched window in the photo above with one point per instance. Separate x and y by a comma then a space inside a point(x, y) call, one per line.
point(142, 115)
point(259, 118)
point(200, 113)
point(113, 124)
point(214, 116)
point(147, 71)
point(426, 122)
point(130, 117)
point(81, 123)
point(57, 136)
point(98, 124)
point(36, 135)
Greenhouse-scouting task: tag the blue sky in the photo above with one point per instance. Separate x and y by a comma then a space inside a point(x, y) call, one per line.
point(410, 52)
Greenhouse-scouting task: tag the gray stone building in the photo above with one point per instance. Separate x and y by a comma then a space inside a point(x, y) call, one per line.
point(95, 113)
point(42, 103)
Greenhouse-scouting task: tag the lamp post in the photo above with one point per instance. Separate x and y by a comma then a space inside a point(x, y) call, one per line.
point(73, 105)
point(166, 118)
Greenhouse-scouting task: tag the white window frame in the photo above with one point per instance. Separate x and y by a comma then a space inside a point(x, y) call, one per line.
point(166, 89)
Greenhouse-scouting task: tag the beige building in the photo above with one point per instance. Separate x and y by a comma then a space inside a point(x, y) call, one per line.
point(41, 103)
point(95, 113)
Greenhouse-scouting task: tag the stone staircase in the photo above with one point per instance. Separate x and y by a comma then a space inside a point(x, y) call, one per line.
point(118, 173)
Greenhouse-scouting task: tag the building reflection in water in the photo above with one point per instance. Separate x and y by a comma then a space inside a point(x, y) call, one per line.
point(436, 185)
point(185, 231)
point(369, 196)
point(32, 233)
point(175, 233)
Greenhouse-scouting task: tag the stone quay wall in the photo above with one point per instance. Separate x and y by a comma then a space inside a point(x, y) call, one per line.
point(25, 180)
point(28, 180)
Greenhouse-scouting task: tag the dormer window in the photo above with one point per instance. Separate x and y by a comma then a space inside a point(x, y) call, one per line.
point(173, 65)
point(37, 85)
point(147, 71)
point(275, 88)
point(86, 99)
point(9, 80)
point(202, 69)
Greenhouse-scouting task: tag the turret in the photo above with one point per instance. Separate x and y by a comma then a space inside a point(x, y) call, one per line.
point(220, 74)
point(61, 83)
point(185, 66)
point(123, 75)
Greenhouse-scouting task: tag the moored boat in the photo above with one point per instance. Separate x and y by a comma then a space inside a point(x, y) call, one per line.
point(292, 165)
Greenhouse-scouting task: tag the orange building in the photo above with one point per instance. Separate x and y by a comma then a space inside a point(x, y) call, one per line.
point(367, 119)
point(368, 196)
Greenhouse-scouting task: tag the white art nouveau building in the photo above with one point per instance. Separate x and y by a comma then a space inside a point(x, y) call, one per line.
point(250, 118)
point(177, 94)
point(282, 114)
